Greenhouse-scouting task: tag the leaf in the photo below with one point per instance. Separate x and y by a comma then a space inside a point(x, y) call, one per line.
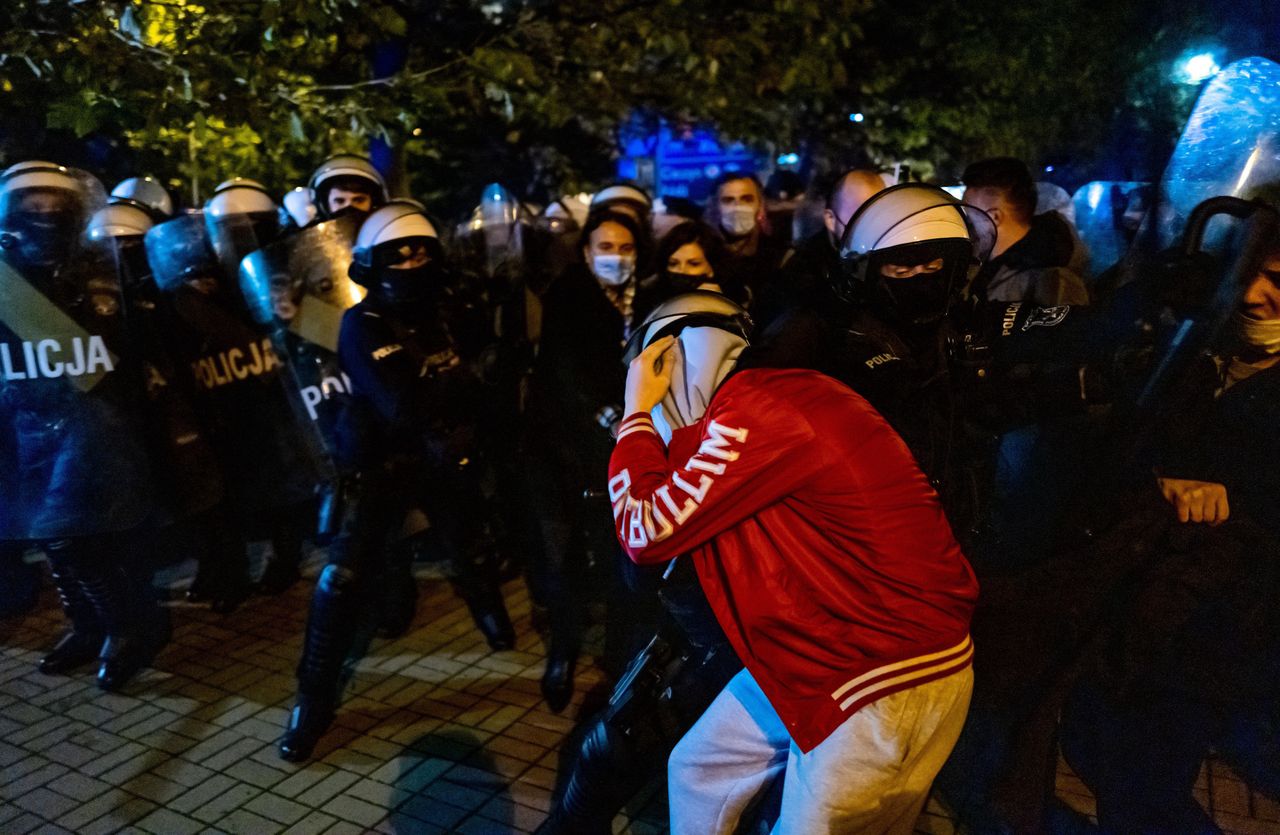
point(295, 127)
point(389, 20)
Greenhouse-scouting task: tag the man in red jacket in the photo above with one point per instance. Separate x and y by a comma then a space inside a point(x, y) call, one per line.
point(829, 563)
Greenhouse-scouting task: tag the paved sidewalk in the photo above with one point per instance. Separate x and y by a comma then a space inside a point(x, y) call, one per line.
point(437, 734)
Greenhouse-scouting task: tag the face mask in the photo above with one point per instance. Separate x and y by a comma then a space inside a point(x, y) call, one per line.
point(684, 282)
point(919, 300)
point(1260, 334)
point(738, 220)
point(613, 270)
point(349, 211)
point(410, 285)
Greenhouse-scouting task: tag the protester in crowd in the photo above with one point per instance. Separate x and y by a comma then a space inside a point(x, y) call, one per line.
point(737, 211)
point(1189, 659)
point(829, 563)
point(690, 257)
point(574, 401)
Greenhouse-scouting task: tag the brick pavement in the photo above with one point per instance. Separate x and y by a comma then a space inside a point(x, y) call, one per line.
point(437, 734)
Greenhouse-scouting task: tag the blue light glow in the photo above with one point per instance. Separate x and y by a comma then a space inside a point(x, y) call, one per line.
point(789, 159)
point(1048, 169)
point(856, 117)
point(1094, 195)
point(1198, 68)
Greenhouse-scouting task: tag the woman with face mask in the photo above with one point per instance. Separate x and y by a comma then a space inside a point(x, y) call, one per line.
point(691, 257)
point(574, 397)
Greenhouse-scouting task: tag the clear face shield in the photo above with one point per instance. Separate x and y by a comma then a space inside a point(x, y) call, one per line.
point(911, 250)
point(43, 214)
point(302, 283)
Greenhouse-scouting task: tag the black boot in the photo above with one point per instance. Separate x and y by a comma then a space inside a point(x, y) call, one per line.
point(308, 721)
point(477, 580)
point(81, 643)
point(562, 658)
point(286, 555)
point(222, 575)
point(134, 627)
point(401, 602)
point(331, 626)
point(19, 582)
point(489, 611)
point(279, 575)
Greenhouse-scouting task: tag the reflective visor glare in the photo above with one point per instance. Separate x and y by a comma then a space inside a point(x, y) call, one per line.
point(394, 252)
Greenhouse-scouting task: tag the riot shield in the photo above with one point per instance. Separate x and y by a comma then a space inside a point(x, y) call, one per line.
point(1107, 217)
point(71, 447)
point(1054, 198)
point(234, 371)
point(298, 289)
point(179, 253)
point(493, 236)
point(234, 235)
point(1230, 146)
point(185, 467)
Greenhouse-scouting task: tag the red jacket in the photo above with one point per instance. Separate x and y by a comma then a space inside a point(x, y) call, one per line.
point(821, 547)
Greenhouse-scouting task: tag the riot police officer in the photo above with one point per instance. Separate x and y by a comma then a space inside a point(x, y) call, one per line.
point(346, 184)
point(951, 371)
point(235, 372)
point(77, 475)
point(409, 432)
point(145, 193)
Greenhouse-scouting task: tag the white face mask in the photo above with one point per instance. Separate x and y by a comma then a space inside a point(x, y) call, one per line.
point(1261, 334)
point(614, 270)
point(738, 220)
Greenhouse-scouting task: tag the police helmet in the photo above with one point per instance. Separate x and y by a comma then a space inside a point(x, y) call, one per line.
point(118, 220)
point(346, 169)
point(625, 196)
point(388, 236)
point(43, 208)
point(910, 224)
point(300, 207)
point(146, 193)
point(239, 196)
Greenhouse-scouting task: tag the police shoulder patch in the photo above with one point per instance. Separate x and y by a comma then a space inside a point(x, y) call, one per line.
point(1046, 317)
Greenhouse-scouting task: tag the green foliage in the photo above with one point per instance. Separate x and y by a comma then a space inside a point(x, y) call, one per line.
point(532, 91)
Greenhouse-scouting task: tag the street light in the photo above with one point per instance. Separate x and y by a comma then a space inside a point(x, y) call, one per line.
point(1198, 68)
point(856, 117)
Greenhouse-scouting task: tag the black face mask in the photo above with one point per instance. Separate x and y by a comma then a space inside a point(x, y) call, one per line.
point(349, 211)
point(41, 241)
point(918, 300)
point(409, 286)
point(685, 282)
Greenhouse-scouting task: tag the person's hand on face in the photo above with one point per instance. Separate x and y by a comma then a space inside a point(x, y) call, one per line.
point(649, 376)
point(1196, 501)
